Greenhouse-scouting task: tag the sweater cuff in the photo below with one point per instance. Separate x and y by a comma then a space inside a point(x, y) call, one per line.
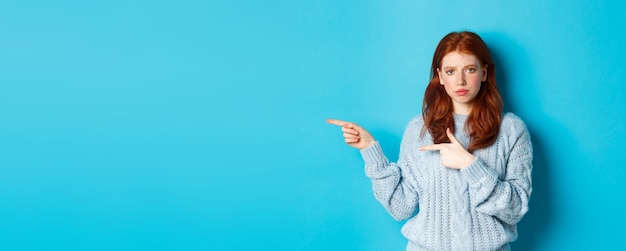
point(477, 172)
point(373, 155)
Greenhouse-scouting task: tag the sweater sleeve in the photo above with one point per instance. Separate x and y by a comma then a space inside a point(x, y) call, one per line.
point(507, 199)
point(393, 185)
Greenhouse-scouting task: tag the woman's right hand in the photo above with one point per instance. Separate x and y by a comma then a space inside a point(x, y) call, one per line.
point(354, 135)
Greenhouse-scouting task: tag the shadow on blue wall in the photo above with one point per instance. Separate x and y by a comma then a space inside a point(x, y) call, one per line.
point(509, 57)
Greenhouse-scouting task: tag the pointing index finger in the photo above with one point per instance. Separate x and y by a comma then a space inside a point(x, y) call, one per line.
point(434, 147)
point(337, 122)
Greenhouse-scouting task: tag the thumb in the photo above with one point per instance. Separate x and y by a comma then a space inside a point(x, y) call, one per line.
point(451, 136)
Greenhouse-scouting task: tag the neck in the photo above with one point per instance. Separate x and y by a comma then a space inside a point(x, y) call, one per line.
point(462, 110)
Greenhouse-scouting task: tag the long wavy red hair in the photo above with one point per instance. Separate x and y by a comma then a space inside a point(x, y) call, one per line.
point(483, 122)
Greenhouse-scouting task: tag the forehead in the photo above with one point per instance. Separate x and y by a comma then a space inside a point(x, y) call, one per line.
point(455, 58)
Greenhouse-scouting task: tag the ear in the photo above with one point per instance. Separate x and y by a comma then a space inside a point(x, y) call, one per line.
point(440, 78)
point(485, 73)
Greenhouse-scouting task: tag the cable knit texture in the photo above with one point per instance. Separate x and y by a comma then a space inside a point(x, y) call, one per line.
point(475, 208)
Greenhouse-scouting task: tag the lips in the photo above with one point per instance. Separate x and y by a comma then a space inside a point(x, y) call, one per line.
point(461, 92)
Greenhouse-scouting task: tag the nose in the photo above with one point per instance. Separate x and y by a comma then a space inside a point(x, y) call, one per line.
point(461, 79)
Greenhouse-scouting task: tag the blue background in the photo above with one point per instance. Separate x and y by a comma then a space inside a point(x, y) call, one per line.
point(195, 125)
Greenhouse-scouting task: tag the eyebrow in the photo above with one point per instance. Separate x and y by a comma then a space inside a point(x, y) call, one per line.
point(469, 65)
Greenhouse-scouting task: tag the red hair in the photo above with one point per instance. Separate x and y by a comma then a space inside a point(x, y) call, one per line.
point(483, 122)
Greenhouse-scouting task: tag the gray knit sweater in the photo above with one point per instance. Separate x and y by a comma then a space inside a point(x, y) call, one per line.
point(475, 208)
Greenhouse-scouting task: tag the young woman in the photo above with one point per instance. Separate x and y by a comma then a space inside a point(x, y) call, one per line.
point(464, 167)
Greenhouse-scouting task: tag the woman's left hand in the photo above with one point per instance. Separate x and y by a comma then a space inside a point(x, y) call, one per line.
point(453, 154)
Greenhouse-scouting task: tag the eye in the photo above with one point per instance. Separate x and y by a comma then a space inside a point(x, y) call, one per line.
point(471, 70)
point(450, 72)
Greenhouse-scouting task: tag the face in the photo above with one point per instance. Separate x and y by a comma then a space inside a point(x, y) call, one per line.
point(461, 75)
